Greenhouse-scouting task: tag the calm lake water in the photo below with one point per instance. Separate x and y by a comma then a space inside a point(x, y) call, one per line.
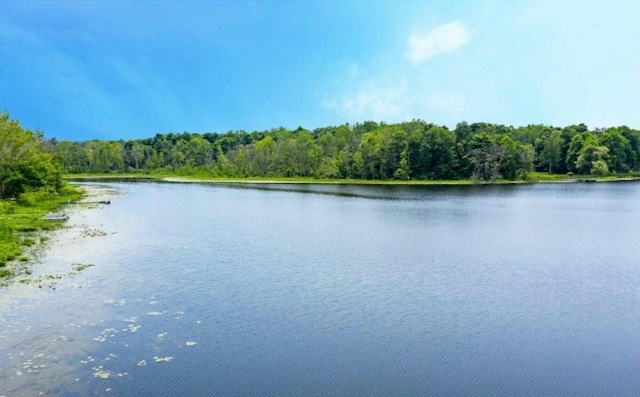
point(283, 290)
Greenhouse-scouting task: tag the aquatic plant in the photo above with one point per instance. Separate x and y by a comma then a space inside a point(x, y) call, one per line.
point(81, 266)
point(18, 217)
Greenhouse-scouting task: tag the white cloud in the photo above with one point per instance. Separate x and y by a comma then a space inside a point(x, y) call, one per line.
point(444, 38)
point(373, 102)
point(397, 99)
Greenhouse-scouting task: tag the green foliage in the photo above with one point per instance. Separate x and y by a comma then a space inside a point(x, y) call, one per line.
point(599, 168)
point(24, 215)
point(619, 148)
point(551, 155)
point(589, 155)
point(30, 185)
point(414, 150)
point(24, 164)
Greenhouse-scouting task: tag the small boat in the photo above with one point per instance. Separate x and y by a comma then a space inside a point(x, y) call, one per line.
point(56, 216)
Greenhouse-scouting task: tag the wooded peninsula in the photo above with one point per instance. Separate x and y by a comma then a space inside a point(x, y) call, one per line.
point(408, 151)
point(414, 150)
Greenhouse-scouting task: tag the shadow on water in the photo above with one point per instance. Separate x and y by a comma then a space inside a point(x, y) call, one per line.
point(372, 192)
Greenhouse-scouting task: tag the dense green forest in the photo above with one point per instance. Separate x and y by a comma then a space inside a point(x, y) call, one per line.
point(369, 150)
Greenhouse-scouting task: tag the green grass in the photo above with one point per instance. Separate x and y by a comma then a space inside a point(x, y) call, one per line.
point(547, 177)
point(537, 176)
point(309, 180)
point(534, 177)
point(18, 217)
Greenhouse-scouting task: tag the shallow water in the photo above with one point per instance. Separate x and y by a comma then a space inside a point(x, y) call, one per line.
point(334, 290)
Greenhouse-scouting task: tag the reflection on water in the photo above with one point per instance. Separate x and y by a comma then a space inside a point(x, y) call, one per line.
point(352, 290)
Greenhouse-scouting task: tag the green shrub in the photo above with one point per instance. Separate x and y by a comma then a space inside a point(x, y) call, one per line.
point(25, 216)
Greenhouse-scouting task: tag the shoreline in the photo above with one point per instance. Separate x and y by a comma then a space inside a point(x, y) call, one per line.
point(35, 253)
point(312, 181)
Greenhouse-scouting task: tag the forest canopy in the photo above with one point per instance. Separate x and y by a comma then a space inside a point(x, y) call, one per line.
point(368, 150)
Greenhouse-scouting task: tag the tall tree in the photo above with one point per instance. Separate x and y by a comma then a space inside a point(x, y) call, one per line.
point(619, 147)
point(551, 155)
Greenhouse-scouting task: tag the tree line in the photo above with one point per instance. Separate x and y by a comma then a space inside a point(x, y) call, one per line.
point(26, 161)
point(368, 150)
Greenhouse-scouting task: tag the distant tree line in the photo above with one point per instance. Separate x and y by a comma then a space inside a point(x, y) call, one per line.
point(25, 161)
point(369, 150)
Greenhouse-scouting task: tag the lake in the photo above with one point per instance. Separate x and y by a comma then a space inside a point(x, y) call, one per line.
point(331, 290)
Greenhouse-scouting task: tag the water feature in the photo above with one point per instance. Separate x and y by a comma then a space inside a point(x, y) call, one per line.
point(305, 290)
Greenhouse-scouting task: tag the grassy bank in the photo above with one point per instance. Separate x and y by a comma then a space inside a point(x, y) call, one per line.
point(534, 177)
point(21, 220)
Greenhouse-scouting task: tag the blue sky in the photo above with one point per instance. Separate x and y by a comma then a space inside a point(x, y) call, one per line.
point(108, 70)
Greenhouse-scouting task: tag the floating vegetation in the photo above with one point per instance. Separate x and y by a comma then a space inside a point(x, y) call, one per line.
point(115, 303)
point(98, 372)
point(87, 361)
point(93, 233)
point(108, 342)
point(78, 267)
point(51, 280)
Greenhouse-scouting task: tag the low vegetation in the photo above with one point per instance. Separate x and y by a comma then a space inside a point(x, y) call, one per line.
point(20, 219)
point(30, 186)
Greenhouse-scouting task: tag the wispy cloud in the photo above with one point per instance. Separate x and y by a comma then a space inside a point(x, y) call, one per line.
point(451, 104)
point(393, 95)
point(442, 39)
point(373, 102)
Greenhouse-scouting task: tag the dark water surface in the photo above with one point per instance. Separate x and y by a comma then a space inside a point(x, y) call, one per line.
point(283, 290)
